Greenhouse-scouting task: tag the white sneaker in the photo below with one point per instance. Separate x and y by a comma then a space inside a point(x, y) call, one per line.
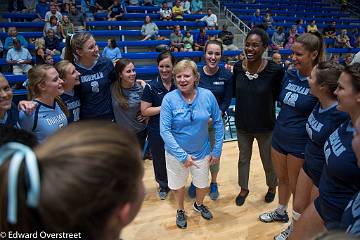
point(284, 234)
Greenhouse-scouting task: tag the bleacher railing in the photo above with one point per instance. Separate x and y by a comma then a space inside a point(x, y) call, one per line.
point(229, 15)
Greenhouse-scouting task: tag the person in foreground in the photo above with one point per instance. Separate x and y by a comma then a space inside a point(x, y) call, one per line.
point(184, 116)
point(90, 185)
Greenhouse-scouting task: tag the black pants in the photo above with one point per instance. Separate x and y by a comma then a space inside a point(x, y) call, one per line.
point(158, 154)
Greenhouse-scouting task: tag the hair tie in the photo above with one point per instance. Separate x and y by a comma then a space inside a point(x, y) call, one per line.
point(19, 153)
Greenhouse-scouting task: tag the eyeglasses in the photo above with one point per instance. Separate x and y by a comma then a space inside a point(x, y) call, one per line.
point(191, 112)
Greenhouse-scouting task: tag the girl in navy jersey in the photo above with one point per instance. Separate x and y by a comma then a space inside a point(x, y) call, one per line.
point(96, 75)
point(340, 179)
point(218, 80)
point(151, 100)
point(257, 85)
point(126, 97)
point(323, 120)
point(289, 135)
point(70, 76)
point(44, 88)
point(9, 114)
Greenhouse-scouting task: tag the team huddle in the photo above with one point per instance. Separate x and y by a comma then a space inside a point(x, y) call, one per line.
point(311, 150)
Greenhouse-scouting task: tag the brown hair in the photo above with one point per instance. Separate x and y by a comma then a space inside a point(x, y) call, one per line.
point(354, 71)
point(215, 42)
point(116, 88)
point(61, 67)
point(328, 73)
point(74, 43)
point(312, 42)
point(166, 54)
point(83, 180)
point(37, 75)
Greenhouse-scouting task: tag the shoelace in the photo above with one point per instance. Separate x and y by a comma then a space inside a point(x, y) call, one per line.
point(181, 215)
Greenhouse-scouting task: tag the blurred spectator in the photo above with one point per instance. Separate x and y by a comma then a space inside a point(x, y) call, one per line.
point(196, 6)
point(344, 5)
point(13, 33)
point(76, 18)
point(187, 7)
point(276, 57)
point(134, 2)
point(111, 51)
point(53, 12)
point(312, 28)
point(334, 58)
point(88, 10)
point(54, 25)
point(268, 20)
point(19, 57)
point(348, 59)
point(29, 6)
point(165, 12)
point(42, 8)
point(49, 60)
point(16, 5)
point(51, 42)
point(256, 19)
point(291, 36)
point(278, 39)
point(300, 26)
point(178, 11)
point(330, 33)
point(66, 27)
point(149, 29)
point(227, 39)
point(353, 36)
point(342, 40)
point(201, 40)
point(116, 12)
point(103, 5)
point(65, 9)
point(148, 3)
point(176, 38)
point(188, 41)
point(210, 19)
point(40, 51)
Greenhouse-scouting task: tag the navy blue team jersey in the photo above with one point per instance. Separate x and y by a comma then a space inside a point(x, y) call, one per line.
point(44, 121)
point(11, 118)
point(350, 221)
point(340, 179)
point(320, 124)
point(289, 136)
point(154, 93)
point(220, 84)
point(73, 104)
point(94, 90)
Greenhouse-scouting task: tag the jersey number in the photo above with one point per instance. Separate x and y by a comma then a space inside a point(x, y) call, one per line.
point(95, 86)
point(290, 98)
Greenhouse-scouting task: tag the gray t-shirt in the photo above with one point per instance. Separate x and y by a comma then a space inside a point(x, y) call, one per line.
point(127, 117)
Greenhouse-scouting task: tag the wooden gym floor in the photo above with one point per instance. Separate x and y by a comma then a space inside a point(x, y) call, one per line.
point(156, 219)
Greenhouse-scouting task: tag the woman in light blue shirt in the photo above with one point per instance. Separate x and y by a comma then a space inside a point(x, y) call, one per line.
point(184, 116)
point(111, 51)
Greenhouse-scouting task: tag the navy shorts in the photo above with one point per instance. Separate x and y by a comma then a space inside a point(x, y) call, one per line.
point(313, 173)
point(331, 215)
point(285, 144)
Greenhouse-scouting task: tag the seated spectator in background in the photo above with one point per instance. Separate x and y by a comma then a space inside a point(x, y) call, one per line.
point(40, 51)
point(66, 27)
point(256, 19)
point(13, 33)
point(52, 42)
point(188, 41)
point(268, 20)
point(111, 51)
point(312, 28)
point(29, 6)
point(291, 36)
point(276, 57)
point(88, 10)
point(54, 25)
point(187, 7)
point(300, 26)
point(176, 38)
point(178, 11)
point(278, 39)
point(76, 18)
point(290, 41)
point(334, 58)
point(165, 12)
point(147, 3)
point(329, 32)
point(115, 11)
point(53, 12)
point(227, 39)
point(210, 19)
point(42, 8)
point(65, 9)
point(342, 40)
point(201, 40)
point(134, 2)
point(149, 29)
point(348, 59)
point(353, 36)
point(16, 5)
point(19, 57)
point(103, 5)
point(49, 60)
point(196, 6)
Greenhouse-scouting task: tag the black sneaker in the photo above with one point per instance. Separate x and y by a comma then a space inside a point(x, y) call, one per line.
point(269, 197)
point(274, 216)
point(205, 213)
point(240, 200)
point(181, 219)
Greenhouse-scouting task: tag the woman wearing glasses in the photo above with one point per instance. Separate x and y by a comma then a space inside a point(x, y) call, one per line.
point(184, 117)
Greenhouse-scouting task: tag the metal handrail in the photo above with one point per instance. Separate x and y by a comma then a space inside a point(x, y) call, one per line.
point(242, 26)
